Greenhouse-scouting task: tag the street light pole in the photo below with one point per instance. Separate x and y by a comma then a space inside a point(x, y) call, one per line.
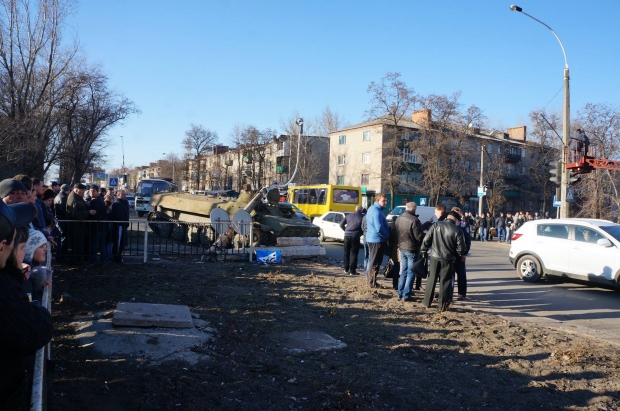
point(480, 198)
point(564, 205)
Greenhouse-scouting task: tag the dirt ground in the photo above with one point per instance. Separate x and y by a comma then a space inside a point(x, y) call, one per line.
point(398, 355)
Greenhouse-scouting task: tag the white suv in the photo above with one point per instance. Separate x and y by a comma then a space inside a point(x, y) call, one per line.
point(583, 249)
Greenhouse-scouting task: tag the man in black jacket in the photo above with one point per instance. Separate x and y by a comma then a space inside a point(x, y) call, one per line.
point(500, 224)
point(78, 211)
point(118, 214)
point(447, 244)
point(352, 226)
point(98, 230)
point(410, 237)
point(24, 327)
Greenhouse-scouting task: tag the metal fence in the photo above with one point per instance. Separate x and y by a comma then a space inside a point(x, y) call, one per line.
point(97, 242)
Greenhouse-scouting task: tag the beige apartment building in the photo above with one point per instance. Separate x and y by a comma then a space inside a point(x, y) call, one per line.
point(359, 155)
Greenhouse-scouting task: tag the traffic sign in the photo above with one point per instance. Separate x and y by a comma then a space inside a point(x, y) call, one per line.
point(113, 182)
point(481, 191)
point(556, 203)
point(423, 201)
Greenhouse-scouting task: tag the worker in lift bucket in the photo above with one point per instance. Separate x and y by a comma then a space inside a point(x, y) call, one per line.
point(579, 144)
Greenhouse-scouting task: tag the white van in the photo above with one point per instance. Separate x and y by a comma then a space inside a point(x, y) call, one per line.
point(424, 213)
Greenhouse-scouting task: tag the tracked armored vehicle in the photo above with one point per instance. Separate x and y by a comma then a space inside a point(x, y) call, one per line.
point(268, 219)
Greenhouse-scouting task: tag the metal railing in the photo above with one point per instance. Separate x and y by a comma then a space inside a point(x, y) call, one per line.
point(97, 242)
point(38, 397)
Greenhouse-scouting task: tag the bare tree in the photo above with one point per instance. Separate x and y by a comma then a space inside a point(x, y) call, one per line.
point(90, 110)
point(327, 122)
point(598, 193)
point(34, 65)
point(390, 100)
point(199, 139)
point(546, 147)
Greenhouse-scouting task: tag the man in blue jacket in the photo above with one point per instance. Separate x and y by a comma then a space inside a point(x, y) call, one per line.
point(352, 226)
point(377, 235)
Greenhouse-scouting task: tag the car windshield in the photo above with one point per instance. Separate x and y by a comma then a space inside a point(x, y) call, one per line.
point(397, 211)
point(612, 230)
point(146, 189)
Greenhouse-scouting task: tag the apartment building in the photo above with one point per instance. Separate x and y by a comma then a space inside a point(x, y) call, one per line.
point(378, 157)
point(261, 165)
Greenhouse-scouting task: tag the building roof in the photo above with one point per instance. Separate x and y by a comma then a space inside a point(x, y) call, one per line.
point(404, 122)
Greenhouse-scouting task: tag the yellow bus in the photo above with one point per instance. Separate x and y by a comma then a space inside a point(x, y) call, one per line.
point(316, 200)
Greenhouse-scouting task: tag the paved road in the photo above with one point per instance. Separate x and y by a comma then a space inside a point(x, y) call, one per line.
point(494, 287)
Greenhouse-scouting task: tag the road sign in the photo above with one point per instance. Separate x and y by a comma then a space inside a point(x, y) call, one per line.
point(113, 182)
point(99, 176)
point(423, 201)
point(556, 203)
point(480, 191)
point(570, 195)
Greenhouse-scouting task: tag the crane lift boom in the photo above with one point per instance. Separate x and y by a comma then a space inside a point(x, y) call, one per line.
point(580, 162)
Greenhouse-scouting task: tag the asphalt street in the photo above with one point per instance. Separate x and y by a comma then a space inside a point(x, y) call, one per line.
point(494, 287)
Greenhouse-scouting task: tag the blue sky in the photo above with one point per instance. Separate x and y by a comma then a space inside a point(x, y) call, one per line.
point(223, 62)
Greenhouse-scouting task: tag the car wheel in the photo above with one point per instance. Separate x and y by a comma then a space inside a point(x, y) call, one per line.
point(321, 235)
point(529, 268)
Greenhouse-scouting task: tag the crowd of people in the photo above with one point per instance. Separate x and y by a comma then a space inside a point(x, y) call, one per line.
point(484, 227)
point(80, 226)
point(440, 244)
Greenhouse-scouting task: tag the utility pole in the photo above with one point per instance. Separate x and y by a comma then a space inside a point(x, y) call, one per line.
point(482, 148)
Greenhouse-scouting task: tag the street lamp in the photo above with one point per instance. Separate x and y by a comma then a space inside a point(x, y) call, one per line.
point(564, 211)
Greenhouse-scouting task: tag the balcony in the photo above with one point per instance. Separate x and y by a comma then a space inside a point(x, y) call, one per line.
point(285, 152)
point(512, 175)
point(513, 157)
point(281, 169)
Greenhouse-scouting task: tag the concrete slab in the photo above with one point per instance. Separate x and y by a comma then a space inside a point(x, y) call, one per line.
point(306, 341)
point(152, 315)
point(156, 345)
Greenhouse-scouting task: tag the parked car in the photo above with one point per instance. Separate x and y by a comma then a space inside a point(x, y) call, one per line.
point(132, 200)
point(424, 213)
point(329, 223)
point(582, 249)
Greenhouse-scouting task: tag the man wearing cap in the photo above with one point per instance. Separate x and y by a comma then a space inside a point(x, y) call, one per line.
point(98, 230)
point(13, 191)
point(447, 244)
point(78, 211)
point(24, 327)
point(55, 186)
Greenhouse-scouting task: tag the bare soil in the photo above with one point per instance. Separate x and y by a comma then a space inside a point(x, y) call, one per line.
point(398, 355)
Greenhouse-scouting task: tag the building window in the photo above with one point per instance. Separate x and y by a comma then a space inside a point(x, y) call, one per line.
point(499, 149)
point(523, 170)
point(366, 158)
point(342, 139)
point(366, 135)
point(490, 148)
point(365, 180)
point(340, 180)
point(478, 165)
point(467, 165)
point(523, 152)
point(410, 157)
point(341, 160)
